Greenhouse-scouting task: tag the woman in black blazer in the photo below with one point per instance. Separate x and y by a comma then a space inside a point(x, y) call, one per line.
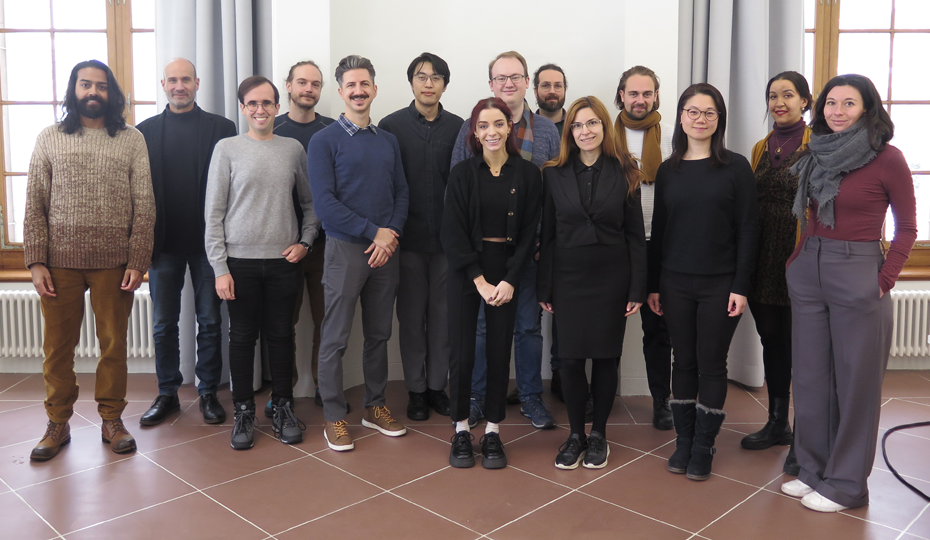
point(488, 234)
point(592, 267)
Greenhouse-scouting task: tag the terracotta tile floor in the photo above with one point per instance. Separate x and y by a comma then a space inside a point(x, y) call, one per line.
point(186, 482)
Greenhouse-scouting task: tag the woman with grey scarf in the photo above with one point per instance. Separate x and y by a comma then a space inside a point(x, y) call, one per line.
point(838, 280)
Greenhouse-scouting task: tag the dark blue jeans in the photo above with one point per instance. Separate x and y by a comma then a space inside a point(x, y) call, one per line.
point(166, 279)
point(527, 342)
point(265, 291)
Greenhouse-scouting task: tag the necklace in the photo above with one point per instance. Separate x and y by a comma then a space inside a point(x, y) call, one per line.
point(780, 145)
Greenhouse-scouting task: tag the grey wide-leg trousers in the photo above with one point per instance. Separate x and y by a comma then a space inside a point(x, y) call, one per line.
point(346, 279)
point(841, 337)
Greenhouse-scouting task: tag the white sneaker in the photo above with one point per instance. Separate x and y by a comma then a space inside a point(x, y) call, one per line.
point(796, 488)
point(816, 501)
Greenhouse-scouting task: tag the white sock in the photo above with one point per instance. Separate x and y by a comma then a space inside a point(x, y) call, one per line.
point(462, 425)
point(492, 428)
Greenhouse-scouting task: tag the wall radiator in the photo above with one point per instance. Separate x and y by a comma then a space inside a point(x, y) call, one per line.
point(22, 326)
point(911, 323)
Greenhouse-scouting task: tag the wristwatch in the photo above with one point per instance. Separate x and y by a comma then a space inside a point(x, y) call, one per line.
point(305, 245)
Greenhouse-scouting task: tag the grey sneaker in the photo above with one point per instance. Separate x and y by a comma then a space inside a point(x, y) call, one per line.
point(534, 409)
point(243, 425)
point(285, 424)
point(475, 412)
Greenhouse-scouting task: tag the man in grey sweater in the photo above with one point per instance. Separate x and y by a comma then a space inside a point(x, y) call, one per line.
point(253, 244)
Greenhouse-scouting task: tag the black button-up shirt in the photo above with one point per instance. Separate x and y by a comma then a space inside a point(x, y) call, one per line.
point(587, 177)
point(426, 152)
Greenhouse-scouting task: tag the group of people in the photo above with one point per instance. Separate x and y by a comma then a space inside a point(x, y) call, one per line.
point(475, 226)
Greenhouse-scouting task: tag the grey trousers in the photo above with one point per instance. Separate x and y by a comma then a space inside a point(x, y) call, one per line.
point(346, 279)
point(423, 320)
point(841, 337)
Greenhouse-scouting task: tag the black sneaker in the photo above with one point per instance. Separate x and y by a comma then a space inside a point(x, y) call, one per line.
point(598, 450)
point(439, 402)
point(285, 424)
point(492, 451)
point(571, 452)
point(462, 455)
point(243, 429)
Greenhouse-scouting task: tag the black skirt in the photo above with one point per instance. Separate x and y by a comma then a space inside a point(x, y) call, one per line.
point(590, 293)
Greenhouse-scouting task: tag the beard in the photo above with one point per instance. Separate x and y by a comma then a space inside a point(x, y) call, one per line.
point(638, 114)
point(552, 103)
point(181, 102)
point(86, 111)
point(302, 104)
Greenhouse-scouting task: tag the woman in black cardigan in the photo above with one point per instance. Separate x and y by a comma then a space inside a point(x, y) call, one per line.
point(701, 257)
point(592, 268)
point(488, 233)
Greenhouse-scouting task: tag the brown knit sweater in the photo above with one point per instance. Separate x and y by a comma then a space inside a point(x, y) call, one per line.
point(89, 200)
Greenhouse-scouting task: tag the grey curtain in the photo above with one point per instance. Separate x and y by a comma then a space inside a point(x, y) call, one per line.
point(228, 41)
point(737, 45)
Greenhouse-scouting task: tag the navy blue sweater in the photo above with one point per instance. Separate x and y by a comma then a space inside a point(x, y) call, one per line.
point(357, 182)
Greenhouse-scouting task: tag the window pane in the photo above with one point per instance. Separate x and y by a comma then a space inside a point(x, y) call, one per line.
point(143, 13)
point(16, 206)
point(922, 193)
point(21, 126)
point(72, 48)
point(912, 14)
point(866, 54)
point(26, 62)
point(809, 58)
point(909, 81)
point(25, 15)
point(810, 13)
point(865, 14)
point(145, 111)
point(80, 14)
point(910, 134)
point(144, 73)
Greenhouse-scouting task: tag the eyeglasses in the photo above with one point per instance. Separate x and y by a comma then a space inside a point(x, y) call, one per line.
point(592, 123)
point(435, 78)
point(710, 115)
point(253, 106)
point(546, 86)
point(502, 79)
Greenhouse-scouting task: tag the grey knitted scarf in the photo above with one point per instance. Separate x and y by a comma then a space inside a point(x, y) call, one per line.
point(821, 170)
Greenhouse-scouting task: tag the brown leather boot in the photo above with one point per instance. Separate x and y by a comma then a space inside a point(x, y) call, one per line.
point(114, 433)
point(56, 436)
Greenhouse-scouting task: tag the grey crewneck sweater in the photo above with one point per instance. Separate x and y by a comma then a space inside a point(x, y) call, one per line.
point(249, 209)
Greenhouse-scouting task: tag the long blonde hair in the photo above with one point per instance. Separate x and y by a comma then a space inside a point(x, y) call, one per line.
point(610, 146)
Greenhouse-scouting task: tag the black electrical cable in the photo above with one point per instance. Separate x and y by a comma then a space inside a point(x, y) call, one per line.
point(888, 463)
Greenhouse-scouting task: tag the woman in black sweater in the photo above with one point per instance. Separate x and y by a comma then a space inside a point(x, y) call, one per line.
point(701, 257)
point(488, 233)
point(592, 268)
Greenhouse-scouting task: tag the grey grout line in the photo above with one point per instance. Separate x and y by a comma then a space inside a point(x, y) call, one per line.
point(34, 511)
point(133, 456)
point(366, 499)
point(16, 383)
point(253, 473)
point(560, 497)
point(437, 514)
point(130, 513)
point(908, 400)
point(923, 480)
point(657, 520)
point(737, 505)
point(182, 412)
point(913, 521)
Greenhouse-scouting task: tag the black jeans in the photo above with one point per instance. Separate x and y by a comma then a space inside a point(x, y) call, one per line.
point(657, 350)
point(701, 329)
point(265, 290)
point(773, 323)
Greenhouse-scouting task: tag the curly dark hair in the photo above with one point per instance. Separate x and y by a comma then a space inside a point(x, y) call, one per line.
point(116, 102)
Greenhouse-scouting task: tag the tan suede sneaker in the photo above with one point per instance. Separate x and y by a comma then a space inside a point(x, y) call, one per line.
point(337, 436)
point(115, 434)
point(380, 418)
point(56, 436)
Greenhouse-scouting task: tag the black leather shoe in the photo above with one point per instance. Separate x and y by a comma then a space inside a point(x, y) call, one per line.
point(439, 402)
point(161, 408)
point(462, 455)
point(492, 451)
point(418, 406)
point(662, 414)
point(213, 412)
point(513, 398)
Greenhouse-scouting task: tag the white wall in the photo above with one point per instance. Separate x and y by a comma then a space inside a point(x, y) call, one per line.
point(608, 37)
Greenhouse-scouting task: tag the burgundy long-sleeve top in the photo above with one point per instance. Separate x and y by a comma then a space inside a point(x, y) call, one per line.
point(860, 207)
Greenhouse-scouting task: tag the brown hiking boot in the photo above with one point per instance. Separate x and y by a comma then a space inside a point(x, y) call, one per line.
point(380, 418)
point(114, 433)
point(56, 436)
point(337, 436)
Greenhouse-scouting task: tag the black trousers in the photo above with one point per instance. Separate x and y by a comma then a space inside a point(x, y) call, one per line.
point(701, 329)
point(464, 302)
point(773, 323)
point(266, 290)
point(657, 350)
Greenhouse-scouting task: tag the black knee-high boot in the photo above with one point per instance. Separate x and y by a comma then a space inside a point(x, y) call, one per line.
point(683, 414)
point(706, 429)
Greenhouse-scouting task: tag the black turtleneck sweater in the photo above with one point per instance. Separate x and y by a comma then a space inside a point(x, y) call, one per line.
point(183, 212)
